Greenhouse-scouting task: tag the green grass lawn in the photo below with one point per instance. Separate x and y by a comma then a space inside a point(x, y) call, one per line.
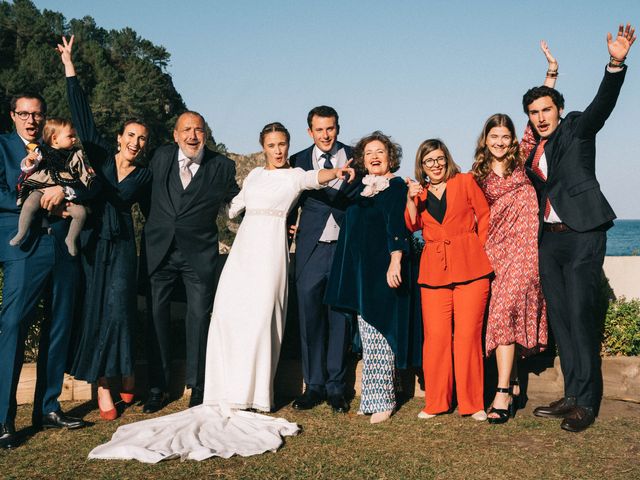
point(347, 446)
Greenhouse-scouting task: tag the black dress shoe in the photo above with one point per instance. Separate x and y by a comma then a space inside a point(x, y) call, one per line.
point(308, 400)
point(197, 395)
point(58, 419)
point(558, 409)
point(578, 420)
point(7, 436)
point(155, 401)
point(338, 403)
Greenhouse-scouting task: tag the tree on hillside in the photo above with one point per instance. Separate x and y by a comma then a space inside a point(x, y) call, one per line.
point(124, 76)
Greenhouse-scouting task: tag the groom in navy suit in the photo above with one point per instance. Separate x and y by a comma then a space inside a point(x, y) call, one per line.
point(41, 259)
point(324, 332)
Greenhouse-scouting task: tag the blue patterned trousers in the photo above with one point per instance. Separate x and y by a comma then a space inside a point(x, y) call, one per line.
point(378, 371)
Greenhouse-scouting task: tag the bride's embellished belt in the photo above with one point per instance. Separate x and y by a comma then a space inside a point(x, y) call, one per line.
point(266, 211)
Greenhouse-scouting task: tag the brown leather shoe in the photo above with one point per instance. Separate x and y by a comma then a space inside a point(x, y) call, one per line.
point(578, 420)
point(558, 409)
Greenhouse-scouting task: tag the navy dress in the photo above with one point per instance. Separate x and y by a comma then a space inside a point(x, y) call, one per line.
point(105, 346)
point(374, 227)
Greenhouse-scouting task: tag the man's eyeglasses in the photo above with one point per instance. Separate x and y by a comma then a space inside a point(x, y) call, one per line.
point(431, 162)
point(37, 116)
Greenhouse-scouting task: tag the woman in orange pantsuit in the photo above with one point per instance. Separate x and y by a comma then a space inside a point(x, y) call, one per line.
point(453, 214)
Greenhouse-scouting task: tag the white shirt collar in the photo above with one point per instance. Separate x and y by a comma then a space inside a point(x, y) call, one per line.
point(27, 142)
point(318, 153)
point(182, 157)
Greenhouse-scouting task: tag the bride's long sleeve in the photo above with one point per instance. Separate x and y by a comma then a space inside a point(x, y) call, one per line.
point(236, 206)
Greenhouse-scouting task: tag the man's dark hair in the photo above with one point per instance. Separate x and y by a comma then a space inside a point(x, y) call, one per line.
point(322, 111)
point(535, 93)
point(29, 95)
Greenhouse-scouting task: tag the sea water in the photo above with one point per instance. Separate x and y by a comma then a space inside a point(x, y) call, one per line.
point(623, 239)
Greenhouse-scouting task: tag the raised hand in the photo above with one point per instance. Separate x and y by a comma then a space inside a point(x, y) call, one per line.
point(619, 47)
point(414, 188)
point(552, 69)
point(65, 56)
point(65, 49)
point(553, 64)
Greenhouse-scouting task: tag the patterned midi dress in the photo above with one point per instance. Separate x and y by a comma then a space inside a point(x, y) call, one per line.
point(517, 312)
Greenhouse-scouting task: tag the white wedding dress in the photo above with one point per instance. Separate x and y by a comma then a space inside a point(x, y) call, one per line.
point(244, 340)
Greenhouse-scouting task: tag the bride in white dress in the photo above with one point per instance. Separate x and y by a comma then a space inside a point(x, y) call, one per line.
point(246, 328)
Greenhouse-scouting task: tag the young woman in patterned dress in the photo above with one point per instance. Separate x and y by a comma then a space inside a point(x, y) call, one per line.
point(517, 317)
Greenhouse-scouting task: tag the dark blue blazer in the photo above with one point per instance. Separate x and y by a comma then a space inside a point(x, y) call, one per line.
point(317, 205)
point(571, 158)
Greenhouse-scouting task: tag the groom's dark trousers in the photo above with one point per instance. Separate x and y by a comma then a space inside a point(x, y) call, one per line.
point(324, 332)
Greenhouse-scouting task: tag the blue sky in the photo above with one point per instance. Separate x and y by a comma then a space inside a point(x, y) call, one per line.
point(413, 69)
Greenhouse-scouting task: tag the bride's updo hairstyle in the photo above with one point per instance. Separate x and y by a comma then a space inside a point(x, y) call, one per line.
point(273, 127)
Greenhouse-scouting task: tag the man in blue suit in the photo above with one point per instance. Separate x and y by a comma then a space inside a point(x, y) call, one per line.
point(41, 259)
point(324, 332)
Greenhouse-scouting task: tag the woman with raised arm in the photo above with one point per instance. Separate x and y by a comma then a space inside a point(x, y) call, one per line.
point(106, 342)
point(246, 328)
point(517, 321)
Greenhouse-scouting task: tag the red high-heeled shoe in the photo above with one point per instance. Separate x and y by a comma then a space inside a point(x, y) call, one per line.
point(127, 397)
point(108, 414)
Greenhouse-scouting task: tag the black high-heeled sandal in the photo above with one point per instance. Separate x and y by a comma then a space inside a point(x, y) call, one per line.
point(503, 413)
point(515, 399)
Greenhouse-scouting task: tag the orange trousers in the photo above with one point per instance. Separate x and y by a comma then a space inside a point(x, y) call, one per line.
point(452, 318)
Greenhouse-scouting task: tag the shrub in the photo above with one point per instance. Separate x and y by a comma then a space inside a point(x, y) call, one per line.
point(622, 328)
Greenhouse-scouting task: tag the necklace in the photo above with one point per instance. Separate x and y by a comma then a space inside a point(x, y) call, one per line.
point(436, 186)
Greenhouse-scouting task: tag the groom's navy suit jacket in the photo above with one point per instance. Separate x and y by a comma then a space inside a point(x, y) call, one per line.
point(317, 205)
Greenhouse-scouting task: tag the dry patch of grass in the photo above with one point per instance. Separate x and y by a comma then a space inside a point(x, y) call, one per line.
point(347, 446)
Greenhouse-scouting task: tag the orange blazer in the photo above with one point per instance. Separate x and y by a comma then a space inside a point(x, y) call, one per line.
point(454, 250)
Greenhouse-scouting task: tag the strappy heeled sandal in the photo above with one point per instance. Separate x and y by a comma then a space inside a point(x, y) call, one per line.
point(503, 413)
point(516, 400)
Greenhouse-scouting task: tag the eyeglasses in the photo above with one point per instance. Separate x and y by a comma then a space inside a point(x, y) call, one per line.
point(24, 116)
point(431, 162)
